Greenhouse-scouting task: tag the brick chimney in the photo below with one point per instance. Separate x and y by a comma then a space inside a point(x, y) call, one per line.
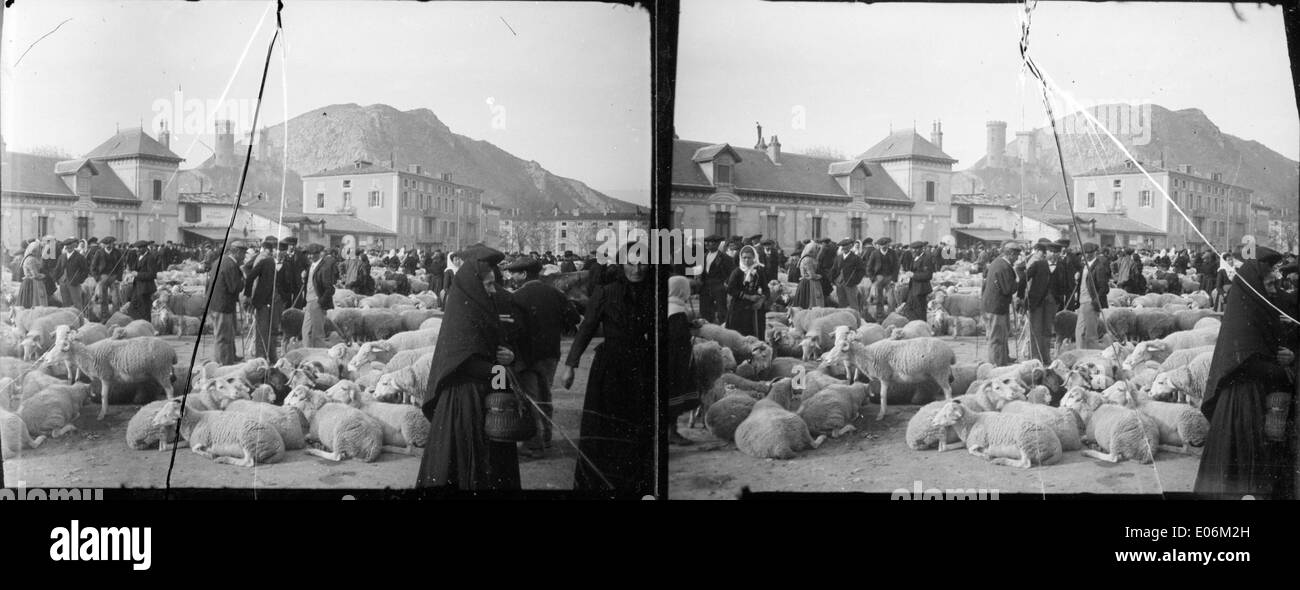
point(165, 136)
point(774, 150)
point(415, 169)
point(760, 145)
point(936, 134)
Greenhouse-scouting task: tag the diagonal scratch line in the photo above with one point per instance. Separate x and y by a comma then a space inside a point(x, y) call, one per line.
point(512, 29)
point(29, 47)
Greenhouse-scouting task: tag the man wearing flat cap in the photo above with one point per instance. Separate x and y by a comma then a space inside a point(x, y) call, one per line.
point(717, 269)
point(259, 294)
point(106, 267)
point(298, 256)
point(1092, 285)
point(918, 290)
point(550, 314)
point(146, 267)
point(772, 260)
point(75, 272)
point(1000, 285)
point(1044, 289)
point(875, 265)
point(848, 270)
point(321, 275)
point(225, 284)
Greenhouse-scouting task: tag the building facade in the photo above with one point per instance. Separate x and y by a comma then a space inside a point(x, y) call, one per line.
point(899, 188)
point(123, 188)
point(418, 209)
point(574, 231)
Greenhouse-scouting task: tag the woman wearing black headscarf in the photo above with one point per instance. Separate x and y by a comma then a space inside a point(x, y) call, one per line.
point(1250, 364)
point(481, 328)
point(617, 431)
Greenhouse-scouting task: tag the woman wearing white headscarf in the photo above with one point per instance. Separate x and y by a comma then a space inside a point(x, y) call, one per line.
point(748, 293)
point(32, 292)
point(809, 294)
point(682, 394)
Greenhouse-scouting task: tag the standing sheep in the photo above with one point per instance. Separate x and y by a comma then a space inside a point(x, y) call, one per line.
point(896, 362)
point(138, 360)
point(223, 436)
point(1002, 439)
point(772, 431)
point(406, 385)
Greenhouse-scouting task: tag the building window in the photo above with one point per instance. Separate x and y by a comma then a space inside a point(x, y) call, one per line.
point(771, 227)
point(157, 190)
point(722, 224)
point(375, 199)
point(192, 213)
point(1092, 200)
point(722, 174)
point(406, 200)
point(83, 228)
point(42, 226)
point(347, 184)
point(929, 191)
point(1118, 200)
point(1144, 199)
point(855, 228)
point(320, 200)
point(1117, 183)
point(816, 228)
point(347, 199)
point(564, 233)
point(966, 213)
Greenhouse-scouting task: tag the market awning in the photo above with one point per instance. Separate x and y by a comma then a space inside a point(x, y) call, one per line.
point(215, 234)
point(984, 234)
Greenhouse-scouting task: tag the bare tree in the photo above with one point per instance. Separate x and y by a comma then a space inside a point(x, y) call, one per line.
point(51, 151)
point(825, 151)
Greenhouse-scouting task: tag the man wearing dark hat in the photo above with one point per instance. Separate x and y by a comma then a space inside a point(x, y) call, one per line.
point(319, 295)
point(771, 259)
point(826, 265)
point(75, 270)
point(1045, 289)
point(146, 267)
point(225, 283)
point(567, 264)
point(298, 256)
point(550, 314)
point(848, 270)
point(259, 293)
point(106, 267)
point(717, 268)
point(918, 290)
point(1000, 285)
point(875, 266)
point(1092, 285)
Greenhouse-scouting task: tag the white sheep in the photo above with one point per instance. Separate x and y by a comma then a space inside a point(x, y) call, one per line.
point(772, 431)
point(1207, 323)
point(820, 333)
point(1120, 432)
point(55, 409)
point(14, 435)
point(1002, 439)
point(1186, 382)
point(1181, 426)
point(412, 340)
point(1142, 375)
point(913, 329)
point(833, 409)
point(990, 396)
point(1159, 350)
point(729, 411)
point(741, 346)
point(142, 433)
point(137, 360)
point(224, 437)
point(288, 422)
point(405, 429)
point(895, 362)
point(330, 359)
point(403, 359)
point(406, 384)
point(343, 430)
point(135, 329)
point(1062, 422)
point(1180, 358)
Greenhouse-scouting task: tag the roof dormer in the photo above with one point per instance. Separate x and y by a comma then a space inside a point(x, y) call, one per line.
point(851, 176)
point(718, 162)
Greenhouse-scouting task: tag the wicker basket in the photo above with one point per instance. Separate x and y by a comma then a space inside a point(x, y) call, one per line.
point(509, 418)
point(1279, 405)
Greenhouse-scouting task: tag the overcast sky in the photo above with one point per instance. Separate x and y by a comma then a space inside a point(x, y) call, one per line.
point(574, 79)
point(853, 70)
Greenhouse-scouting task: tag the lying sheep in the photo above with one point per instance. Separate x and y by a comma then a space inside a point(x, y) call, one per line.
point(1002, 439)
point(1181, 427)
point(1186, 383)
point(922, 433)
point(772, 430)
point(135, 329)
point(54, 410)
point(1160, 350)
point(1062, 422)
point(964, 327)
point(707, 366)
point(288, 422)
point(741, 346)
point(833, 409)
point(405, 385)
point(897, 361)
point(142, 433)
point(330, 359)
point(136, 360)
point(964, 374)
point(894, 319)
point(913, 329)
point(14, 435)
point(405, 429)
point(1121, 433)
point(343, 430)
point(223, 436)
point(1154, 324)
point(728, 412)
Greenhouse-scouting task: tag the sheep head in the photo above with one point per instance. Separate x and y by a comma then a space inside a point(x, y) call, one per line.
point(1118, 393)
point(284, 367)
point(386, 389)
point(1040, 395)
point(1163, 388)
point(951, 413)
point(761, 355)
point(263, 393)
point(168, 414)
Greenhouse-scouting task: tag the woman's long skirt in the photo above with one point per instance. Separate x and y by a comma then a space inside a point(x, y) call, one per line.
point(459, 455)
point(809, 295)
point(1237, 460)
point(31, 293)
point(744, 318)
point(617, 431)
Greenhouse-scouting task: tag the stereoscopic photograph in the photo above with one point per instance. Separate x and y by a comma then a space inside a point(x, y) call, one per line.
point(969, 251)
point(353, 245)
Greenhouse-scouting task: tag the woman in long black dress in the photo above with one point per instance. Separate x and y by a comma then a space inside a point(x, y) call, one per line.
point(481, 328)
point(31, 292)
point(617, 430)
point(1249, 366)
point(749, 293)
point(681, 392)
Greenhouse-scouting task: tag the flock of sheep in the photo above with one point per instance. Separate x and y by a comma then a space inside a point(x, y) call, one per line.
point(815, 371)
point(356, 398)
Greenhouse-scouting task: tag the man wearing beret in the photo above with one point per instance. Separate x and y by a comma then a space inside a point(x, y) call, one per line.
point(225, 285)
point(296, 261)
point(259, 293)
point(848, 270)
point(75, 272)
point(771, 259)
point(1091, 288)
point(918, 290)
point(549, 314)
point(1000, 284)
point(717, 269)
point(106, 267)
point(1045, 289)
point(146, 266)
point(321, 275)
point(875, 265)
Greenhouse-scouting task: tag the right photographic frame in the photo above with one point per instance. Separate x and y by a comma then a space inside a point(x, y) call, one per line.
point(982, 251)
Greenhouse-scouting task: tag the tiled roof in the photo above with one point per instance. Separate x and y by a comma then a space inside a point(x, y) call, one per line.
point(985, 199)
point(27, 173)
point(710, 152)
point(905, 144)
point(796, 174)
point(846, 167)
point(347, 224)
point(353, 169)
point(205, 199)
point(1106, 222)
point(73, 166)
point(132, 141)
point(986, 234)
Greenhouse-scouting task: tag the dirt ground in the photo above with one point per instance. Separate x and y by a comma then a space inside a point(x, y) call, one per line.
point(96, 455)
point(876, 459)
